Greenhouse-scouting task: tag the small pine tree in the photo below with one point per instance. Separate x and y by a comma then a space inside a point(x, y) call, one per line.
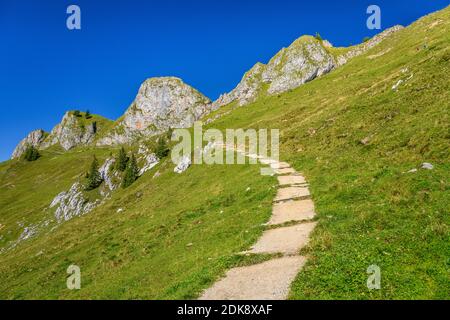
point(31, 153)
point(76, 113)
point(366, 39)
point(318, 36)
point(162, 150)
point(94, 127)
point(121, 160)
point(131, 173)
point(88, 114)
point(94, 179)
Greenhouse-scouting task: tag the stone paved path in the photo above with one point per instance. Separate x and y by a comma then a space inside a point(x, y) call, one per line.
point(271, 279)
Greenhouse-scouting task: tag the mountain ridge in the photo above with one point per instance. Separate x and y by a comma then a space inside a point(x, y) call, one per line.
point(302, 61)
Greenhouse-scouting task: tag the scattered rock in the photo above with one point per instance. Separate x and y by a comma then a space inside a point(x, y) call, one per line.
point(395, 86)
point(156, 175)
point(427, 166)
point(412, 170)
point(119, 210)
point(365, 141)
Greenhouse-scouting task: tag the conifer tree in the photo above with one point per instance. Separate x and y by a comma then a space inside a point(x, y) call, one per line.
point(88, 114)
point(131, 173)
point(121, 160)
point(162, 150)
point(94, 179)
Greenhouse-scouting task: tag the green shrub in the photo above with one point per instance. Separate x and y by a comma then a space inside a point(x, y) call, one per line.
point(76, 113)
point(88, 114)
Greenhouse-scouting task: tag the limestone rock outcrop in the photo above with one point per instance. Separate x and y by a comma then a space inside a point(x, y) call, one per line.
point(34, 138)
point(70, 132)
point(304, 60)
point(161, 104)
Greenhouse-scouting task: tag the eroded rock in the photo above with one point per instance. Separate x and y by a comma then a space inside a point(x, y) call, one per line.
point(34, 138)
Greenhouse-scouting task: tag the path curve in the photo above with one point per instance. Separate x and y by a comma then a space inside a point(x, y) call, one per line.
point(287, 232)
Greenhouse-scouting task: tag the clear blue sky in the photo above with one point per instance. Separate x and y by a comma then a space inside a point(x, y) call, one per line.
point(45, 69)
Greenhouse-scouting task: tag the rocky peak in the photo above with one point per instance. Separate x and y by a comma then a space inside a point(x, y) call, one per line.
point(34, 138)
point(73, 130)
point(304, 60)
point(160, 104)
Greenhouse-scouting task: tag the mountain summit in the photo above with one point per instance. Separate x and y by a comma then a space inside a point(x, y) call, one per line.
point(161, 104)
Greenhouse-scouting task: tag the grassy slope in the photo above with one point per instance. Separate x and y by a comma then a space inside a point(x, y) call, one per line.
point(371, 211)
point(141, 252)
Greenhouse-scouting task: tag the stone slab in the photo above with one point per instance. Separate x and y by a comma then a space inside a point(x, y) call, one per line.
point(280, 165)
point(269, 280)
point(290, 180)
point(291, 193)
point(285, 171)
point(296, 210)
point(287, 240)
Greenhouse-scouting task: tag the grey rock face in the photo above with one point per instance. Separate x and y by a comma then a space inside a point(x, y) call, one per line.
point(68, 133)
point(305, 59)
point(160, 104)
point(34, 138)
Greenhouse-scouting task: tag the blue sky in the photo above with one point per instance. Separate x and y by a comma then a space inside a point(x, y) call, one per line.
point(46, 69)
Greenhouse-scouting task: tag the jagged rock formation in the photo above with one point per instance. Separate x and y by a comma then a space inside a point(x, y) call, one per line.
point(34, 138)
point(246, 91)
point(70, 133)
point(304, 60)
point(72, 203)
point(160, 104)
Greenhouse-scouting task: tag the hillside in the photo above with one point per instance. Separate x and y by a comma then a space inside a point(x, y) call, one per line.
point(356, 132)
